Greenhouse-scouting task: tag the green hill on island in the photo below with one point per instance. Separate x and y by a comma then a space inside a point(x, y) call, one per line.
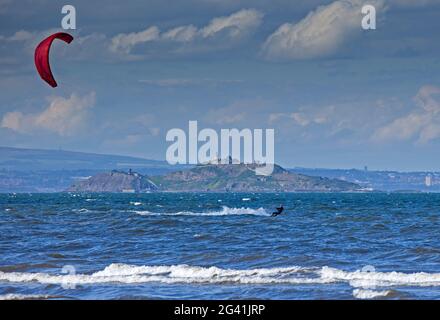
point(213, 178)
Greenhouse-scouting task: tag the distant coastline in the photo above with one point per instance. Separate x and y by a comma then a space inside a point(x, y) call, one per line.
point(49, 171)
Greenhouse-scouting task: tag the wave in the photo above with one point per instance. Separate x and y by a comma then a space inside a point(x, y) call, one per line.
point(225, 211)
point(129, 274)
point(13, 296)
point(370, 294)
point(133, 203)
point(366, 279)
point(82, 210)
point(363, 283)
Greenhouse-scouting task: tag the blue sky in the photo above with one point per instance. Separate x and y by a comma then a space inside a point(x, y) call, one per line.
point(338, 96)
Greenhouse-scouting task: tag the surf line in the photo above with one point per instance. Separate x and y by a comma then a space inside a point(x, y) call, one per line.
point(185, 310)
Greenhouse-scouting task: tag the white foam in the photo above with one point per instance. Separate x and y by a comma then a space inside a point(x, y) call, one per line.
point(224, 212)
point(122, 273)
point(369, 294)
point(381, 279)
point(13, 296)
point(366, 285)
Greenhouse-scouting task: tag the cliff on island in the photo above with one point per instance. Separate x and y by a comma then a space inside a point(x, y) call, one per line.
point(115, 181)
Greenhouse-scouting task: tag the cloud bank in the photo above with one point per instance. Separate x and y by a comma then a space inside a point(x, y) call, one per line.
point(321, 33)
point(229, 29)
point(421, 124)
point(63, 116)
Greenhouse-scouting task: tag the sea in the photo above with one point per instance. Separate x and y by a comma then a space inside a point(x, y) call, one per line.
point(220, 246)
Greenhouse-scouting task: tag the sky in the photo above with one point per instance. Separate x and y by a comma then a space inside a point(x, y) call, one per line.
point(337, 96)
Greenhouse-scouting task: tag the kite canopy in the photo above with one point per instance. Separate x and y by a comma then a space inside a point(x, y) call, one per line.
point(42, 56)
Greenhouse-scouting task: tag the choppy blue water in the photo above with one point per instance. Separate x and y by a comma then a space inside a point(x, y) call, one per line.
point(219, 246)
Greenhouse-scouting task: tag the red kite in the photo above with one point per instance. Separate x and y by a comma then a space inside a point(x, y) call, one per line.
point(42, 56)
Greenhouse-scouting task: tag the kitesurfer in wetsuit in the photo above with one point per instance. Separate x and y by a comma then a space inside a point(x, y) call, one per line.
point(278, 212)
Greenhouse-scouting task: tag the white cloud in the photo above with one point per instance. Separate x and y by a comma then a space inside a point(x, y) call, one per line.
point(300, 119)
point(321, 33)
point(13, 121)
point(181, 34)
point(304, 119)
point(235, 27)
point(219, 33)
point(125, 42)
point(225, 116)
point(427, 99)
point(21, 35)
point(422, 123)
point(274, 117)
point(402, 128)
point(154, 131)
point(245, 112)
point(63, 116)
point(345, 121)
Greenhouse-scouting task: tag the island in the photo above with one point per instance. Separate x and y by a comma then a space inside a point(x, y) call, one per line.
point(212, 178)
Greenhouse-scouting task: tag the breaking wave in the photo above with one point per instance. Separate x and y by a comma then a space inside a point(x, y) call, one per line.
point(370, 294)
point(225, 211)
point(13, 296)
point(381, 279)
point(364, 284)
point(130, 274)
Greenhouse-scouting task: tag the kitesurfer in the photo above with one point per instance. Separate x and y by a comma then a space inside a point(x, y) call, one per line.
point(280, 209)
